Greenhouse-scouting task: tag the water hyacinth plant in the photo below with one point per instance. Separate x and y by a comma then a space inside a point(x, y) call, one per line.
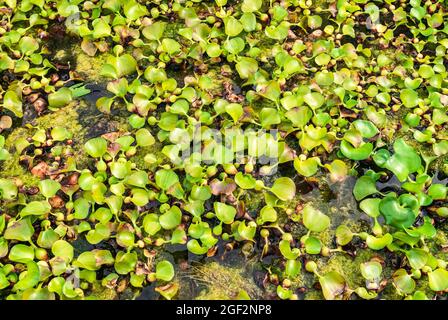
point(164, 145)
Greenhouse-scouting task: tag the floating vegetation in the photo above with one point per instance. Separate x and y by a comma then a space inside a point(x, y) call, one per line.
point(251, 149)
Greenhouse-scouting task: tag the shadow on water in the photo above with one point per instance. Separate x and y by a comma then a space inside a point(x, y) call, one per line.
point(96, 122)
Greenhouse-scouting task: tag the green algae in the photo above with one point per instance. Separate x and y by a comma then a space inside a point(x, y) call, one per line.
point(66, 117)
point(89, 68)
point(71, 117)
point(100, 292)
point(223, 282)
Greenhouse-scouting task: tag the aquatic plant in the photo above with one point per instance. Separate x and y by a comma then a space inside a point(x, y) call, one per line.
point(294, 132)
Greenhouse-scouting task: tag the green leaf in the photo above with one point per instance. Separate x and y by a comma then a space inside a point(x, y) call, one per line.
point(60, 98)
point(364, 186)
point(21, 253)
point(279, 32)
point(399, 212)
point(63, 249)
point(235, 110)
point(125, 262)
point(418, 12)
point(47, 238)
point(268, 117)
point(403, 282)
point(138, 179)
point(194, 247)
point(171, 46)
point(417, 258)
point(299, 116)
point(31, 278)
point(292, 268)
point(404, 161)
point(322, 59)
point(60, 134)
point(333, 285)
point(101, 28)
point(232, 27)
point(134, 10)
point(307, 167)
point(287, 252)
point(8, 189)
point(36, 208)
point(246, 67)
point(166, 178)
point(409, 98)
point(151, 224)
point(96, 147)
point(181, 106)
point(249, 21)
point(245, 181)
point(312, 245)
point(94, 260)
point(21, 230)
point(267, 214)
point(224, 212)
point(284, 293)
point(371, 270)
point(164, 270)
point(251, 5)
point(13, 103)
point(284, 188)
point(28, 45)
point(314, 220)
point(104, 104)
point(366, 128)
point(154, 31)
point(343, 235)
point(360, 153)
point(438, 279)
point(144, 138)
point(49, 188)
point(379, 243)
point(371, 207)
point(314, 99)
point(171, 218)
point(437, 191)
